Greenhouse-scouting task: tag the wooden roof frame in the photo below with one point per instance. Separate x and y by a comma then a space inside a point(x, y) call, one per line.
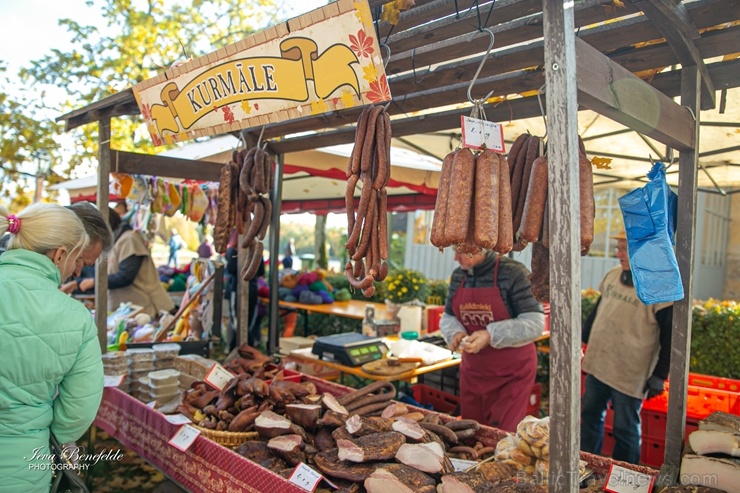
point(579, 57)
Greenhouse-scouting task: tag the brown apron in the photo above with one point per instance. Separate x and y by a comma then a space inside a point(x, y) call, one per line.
point(495, 384)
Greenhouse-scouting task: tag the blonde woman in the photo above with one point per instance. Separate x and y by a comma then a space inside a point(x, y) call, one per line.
point(51, 376)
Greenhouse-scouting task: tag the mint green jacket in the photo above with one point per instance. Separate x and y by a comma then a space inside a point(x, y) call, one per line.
point(48, 344)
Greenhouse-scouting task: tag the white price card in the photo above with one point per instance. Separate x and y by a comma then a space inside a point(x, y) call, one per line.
point(461, 464)
point(218, 376)
point(113, 380)
point(304, 477)
point(177, 419)
point(623, 480)
point(476, 133)
point(184, 437)
point(151, 405)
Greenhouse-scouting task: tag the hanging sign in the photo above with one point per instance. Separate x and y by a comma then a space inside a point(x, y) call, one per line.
point(477, 133)
point(326, 60)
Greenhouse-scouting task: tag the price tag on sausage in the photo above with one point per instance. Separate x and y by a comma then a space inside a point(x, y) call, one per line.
point(112, 380)
point(476, 133)
point(218, 376)
point(623, 480)
point(184, 437)
point(305, 478)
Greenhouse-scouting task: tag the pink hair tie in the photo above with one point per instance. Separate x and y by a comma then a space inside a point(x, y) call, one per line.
point(14, 224)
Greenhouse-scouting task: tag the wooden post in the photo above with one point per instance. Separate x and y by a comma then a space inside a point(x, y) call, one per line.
point(685, 244)
point(101, 265)
point(565, 247)
point(277, 203)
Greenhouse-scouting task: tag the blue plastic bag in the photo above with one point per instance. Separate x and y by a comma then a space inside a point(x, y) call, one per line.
point(650, 223)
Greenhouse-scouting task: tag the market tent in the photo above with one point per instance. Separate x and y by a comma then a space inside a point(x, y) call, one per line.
point(313, 181)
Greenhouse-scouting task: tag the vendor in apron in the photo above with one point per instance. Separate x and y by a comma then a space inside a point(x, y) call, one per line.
point(492, 318)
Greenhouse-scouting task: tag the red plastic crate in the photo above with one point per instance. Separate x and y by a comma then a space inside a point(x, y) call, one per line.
point(652, 452)
point(434, 315)
point(441, 401)
point(607, 446)
point(700, 403)
point(710, 382)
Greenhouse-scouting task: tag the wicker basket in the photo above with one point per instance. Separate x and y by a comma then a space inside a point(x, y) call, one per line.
point(229, 439)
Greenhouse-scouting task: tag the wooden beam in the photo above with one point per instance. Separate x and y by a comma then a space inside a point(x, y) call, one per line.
point(101, 264)
point(674, 23)
point(170, 167)
point(682, 311)
point(609, 89)
point(565, 245)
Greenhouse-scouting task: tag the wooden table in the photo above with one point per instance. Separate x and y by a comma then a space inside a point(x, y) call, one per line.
point(357, 371)
point(354, 309)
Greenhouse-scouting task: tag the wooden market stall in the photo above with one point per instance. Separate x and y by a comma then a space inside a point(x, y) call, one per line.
point(584, 53)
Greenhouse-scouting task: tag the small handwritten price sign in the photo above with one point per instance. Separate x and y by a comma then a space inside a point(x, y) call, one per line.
point(184, 438)
point(476, 133)
point(218, 376)
point(623, 480)
point(305, 478)
point(177, 419)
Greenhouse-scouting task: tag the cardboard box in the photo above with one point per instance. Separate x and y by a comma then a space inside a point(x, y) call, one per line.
point(288, 344)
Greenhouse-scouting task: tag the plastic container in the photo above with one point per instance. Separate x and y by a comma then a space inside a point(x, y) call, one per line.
point(410, 335)
point(115, 370)
point(434, 315)
point(163, 378)
point(711, 382)
point(114, 358)
point(164, 364)
point(441, 401)
point(163, 390)
point(140, 354)
point(168, 350)
point(144, 365)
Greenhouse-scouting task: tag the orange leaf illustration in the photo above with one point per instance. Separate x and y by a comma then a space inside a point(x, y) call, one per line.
point(362, 44)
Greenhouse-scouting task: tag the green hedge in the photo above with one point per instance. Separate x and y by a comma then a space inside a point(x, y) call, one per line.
point(715, 330)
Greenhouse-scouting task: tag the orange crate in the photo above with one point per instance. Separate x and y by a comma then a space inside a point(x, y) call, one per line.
point(652, 452)
point(710, 382)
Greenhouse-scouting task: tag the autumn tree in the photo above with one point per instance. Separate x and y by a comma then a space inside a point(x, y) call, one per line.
point(139, 40)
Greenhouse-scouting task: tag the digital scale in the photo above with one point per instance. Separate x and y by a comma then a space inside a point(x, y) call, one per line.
point(350, 349)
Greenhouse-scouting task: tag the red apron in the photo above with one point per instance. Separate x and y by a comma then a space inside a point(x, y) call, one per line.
point(495, 384)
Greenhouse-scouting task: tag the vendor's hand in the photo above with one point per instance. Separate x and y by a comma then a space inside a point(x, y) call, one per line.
point(475, 342)
point(69, 287)
point(654, 387)
point(456, 340)
point(87, 284)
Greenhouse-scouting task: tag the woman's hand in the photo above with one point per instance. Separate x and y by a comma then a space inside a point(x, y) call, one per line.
point(69, 287)
point(456, 340)
point(87, 284)
point(476, 341)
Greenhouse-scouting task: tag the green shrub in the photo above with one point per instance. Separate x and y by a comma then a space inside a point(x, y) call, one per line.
point(715, 329)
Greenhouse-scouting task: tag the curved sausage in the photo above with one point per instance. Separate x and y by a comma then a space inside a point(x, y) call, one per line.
point(516, 148)
point(540, 277)
point(354, 235)
point(588, 207)
point(459, 209)
point(383, 152)
point(258, 180)
point(367, 226)
point(255, 225)
point(486, 200)
point(461, 449)
point(383, 273)
point(356, 283)
point(368, 389)
point(349, 201)
point(505, 229)
point(534, 205)
point(533, 151)
point(437, 236)
point(369, 144)
point(462, 424)
point(245, 182)
point(369, 291)
point(266, 217)
point(353, 166)
point(383, 224)
point(516, 170)
point(445, 433)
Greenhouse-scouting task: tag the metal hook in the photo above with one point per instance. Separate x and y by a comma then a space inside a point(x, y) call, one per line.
point(413, 67)
point(259, 140)
point(385, 62)
point(480, 66)
point(541, 91)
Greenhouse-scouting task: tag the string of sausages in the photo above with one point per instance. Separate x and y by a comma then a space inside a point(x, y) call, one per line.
point(367, 228)
point(244, 204)
point(486, 202)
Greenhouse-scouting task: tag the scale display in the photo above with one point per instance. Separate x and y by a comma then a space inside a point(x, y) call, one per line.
point(350, 349)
